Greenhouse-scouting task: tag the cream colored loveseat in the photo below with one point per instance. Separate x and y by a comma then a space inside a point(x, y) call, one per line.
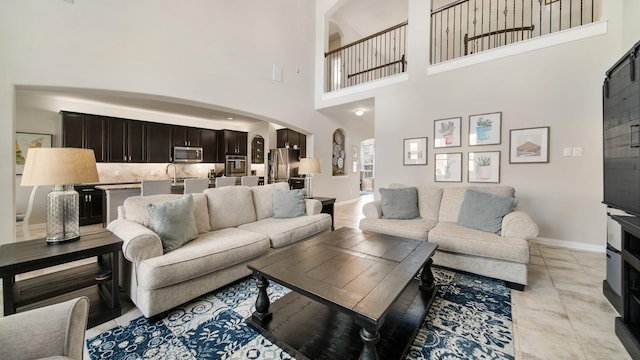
point(504, 256)
point(235, 225)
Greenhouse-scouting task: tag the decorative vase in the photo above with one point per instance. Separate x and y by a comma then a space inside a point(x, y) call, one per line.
point(448, 139)
point(483, 132)
point(483, 172)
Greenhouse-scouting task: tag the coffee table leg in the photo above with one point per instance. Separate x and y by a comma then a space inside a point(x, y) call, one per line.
point(262, 313)
point(426, 279)
point(369, 338)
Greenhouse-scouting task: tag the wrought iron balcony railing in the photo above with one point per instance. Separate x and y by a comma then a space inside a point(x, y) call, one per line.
point(469, 26)
point(373, 57)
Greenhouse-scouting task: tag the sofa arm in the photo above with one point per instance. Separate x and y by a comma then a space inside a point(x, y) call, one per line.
point(314, 207)
point(373, 209)
point(139, 242)
point(519, 224)
point(54, 330)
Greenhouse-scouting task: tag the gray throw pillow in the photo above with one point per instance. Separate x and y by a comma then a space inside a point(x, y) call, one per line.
point(288, 203)
point(401, 203)
point(174, 222)
point(483, 211)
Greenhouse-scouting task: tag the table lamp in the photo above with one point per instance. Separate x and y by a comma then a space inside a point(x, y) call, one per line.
point(309, 166)
point(62, 168)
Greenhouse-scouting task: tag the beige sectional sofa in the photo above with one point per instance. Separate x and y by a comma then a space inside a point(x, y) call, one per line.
point(502, 256)
point(235, 225)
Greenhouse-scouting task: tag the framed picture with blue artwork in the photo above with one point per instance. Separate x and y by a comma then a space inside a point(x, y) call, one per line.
point(485, 129)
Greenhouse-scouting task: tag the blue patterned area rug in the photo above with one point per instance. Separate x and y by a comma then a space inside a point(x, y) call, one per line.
point(470, 318)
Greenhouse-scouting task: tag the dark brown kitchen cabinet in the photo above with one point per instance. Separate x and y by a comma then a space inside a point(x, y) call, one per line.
point(159, 147)
point(212, 142)
point(186, 136)
point(90, 204)
point(293, 139)
point(235, 142)
point(126, 141)
point(85, 131)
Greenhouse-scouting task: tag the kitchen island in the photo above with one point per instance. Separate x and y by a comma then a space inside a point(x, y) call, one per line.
point(115, 194)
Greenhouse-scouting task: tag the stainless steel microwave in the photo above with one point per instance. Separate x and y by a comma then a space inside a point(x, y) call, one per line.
point(187, 154)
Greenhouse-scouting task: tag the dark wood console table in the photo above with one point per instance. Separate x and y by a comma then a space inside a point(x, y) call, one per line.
point(327, 207)
point(627, 326)
point(25, 256)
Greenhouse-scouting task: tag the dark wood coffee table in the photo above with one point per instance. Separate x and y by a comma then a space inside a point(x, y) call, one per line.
point(355, 294)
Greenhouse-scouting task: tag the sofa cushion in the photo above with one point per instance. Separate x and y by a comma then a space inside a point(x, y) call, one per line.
point(455, 238)
point(483, 211)
point(283, 232)
point(230, 206)
point(208, 253)
point(452, 198)
point(429, 198)
point(263, 198)
point(400, 203)
point(135, 209)
point(413, 229)
point(288, 203)
point(173, 221)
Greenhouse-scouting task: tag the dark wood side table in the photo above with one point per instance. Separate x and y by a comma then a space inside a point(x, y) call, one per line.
point(24, 256)
point(327, 207)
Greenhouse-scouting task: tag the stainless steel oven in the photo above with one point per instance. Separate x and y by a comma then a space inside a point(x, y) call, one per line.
point(235, 165)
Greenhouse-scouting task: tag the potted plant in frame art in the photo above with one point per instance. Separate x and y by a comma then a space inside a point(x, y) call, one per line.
point(483, 129)
point(483, 167)
point(447, 129)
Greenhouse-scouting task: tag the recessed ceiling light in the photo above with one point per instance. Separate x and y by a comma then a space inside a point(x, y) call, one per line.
point(229, 118)
point(359, 112)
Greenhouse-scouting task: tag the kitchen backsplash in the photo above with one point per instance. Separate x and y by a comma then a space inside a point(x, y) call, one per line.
point(122, 173)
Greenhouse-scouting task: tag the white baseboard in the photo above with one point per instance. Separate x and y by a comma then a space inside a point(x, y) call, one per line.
point(569, 245)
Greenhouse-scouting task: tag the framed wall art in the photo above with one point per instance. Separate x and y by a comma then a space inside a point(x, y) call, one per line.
point(24, 141)
point(415, 151)
point(527, 146)
point(484, 166)
point(448, 167)
point(485, 129)
point(446, 132)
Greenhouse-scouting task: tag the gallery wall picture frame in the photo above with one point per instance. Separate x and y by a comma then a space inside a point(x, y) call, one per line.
point(448, 167)
point(25, 141)
point(415, 151)
point(529, 146)
point(484, 167)
point(446, 132)
point(485, 129)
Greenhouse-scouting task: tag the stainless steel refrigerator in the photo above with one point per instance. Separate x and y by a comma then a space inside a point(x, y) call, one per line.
point(283, 164)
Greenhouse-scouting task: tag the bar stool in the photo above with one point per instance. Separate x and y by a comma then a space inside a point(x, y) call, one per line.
point(195, 185)
point(153, 187)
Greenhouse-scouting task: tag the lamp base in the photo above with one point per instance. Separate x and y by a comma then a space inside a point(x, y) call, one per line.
point(61, 241)
point(62, 215)
point(308, 187)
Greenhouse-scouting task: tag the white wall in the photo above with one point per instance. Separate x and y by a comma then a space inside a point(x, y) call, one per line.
point(212, 52)
point(557, 86)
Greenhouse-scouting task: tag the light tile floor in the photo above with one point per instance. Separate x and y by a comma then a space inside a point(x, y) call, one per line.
point(562, 314)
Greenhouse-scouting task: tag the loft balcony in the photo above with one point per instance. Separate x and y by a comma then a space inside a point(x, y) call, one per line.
point(457, 29)
point(467, 27)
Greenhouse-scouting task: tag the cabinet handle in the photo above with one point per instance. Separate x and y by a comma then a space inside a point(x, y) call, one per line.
point(89, 198)
point(635, 144)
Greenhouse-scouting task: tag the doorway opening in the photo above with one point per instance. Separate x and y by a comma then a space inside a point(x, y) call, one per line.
point(367, 170)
